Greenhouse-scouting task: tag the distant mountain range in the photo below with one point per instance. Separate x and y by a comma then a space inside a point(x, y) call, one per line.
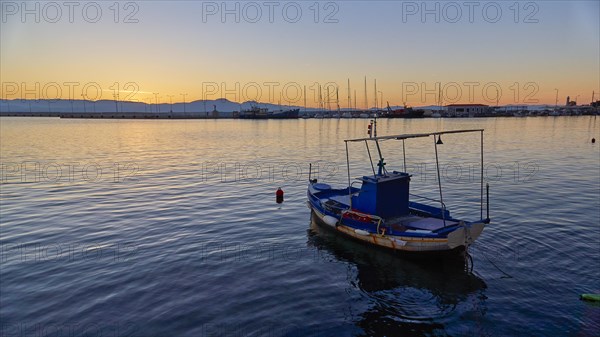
point(223, 106)
point(201, 107)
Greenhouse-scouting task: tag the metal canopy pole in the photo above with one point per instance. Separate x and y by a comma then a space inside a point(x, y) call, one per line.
point(437, 164)
point(348, 166)
point(404, 155)
point(481, 209)
point(370, 159)
point(415, 135)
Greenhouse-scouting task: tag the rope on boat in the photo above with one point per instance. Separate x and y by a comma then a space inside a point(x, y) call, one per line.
point(468, 261)
point(468, 257)
point(506, 275)
point(379, 224)
point(467, 245)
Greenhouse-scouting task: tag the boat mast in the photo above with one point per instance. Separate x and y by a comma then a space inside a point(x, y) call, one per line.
point(381, 165)
point(349, 97)
point(366, 100)
point(440, 99)
point(305, 100)
point(376, 105)
point(320, 99)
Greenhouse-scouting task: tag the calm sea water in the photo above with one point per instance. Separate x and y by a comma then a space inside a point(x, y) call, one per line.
point(170, 228)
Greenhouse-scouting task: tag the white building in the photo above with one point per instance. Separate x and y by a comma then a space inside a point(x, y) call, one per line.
point(458, 110)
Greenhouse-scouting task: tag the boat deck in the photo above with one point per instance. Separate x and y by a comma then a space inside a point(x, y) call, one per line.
point(400, 224)
point(420, 223)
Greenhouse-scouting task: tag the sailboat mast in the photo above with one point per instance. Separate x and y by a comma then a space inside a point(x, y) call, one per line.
point(366, 100)
point(305, 100)
point(320, 99)
point(349, 97)
point(440, 99)
point(376, 94)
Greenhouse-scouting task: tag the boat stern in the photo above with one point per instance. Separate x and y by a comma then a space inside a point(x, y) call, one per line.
point(466, 234)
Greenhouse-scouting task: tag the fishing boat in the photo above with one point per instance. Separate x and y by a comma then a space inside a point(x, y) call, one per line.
point(406, 112)
point(381, 211)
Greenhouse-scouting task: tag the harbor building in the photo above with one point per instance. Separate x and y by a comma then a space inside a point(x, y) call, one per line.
point(463, 110)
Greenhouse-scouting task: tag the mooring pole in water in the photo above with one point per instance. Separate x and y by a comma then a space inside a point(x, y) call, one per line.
point(309, 172)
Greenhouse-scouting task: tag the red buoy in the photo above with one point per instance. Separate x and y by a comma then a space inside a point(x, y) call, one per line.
point(279, 196)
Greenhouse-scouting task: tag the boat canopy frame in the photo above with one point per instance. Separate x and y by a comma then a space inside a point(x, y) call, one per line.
point(436, 141)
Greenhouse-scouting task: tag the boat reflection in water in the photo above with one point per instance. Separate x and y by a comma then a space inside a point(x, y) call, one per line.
point(396, 296)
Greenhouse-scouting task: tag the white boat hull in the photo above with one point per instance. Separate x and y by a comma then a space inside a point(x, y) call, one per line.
point(455, 239)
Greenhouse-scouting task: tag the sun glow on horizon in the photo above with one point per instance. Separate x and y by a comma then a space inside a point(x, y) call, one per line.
point(165, 53)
